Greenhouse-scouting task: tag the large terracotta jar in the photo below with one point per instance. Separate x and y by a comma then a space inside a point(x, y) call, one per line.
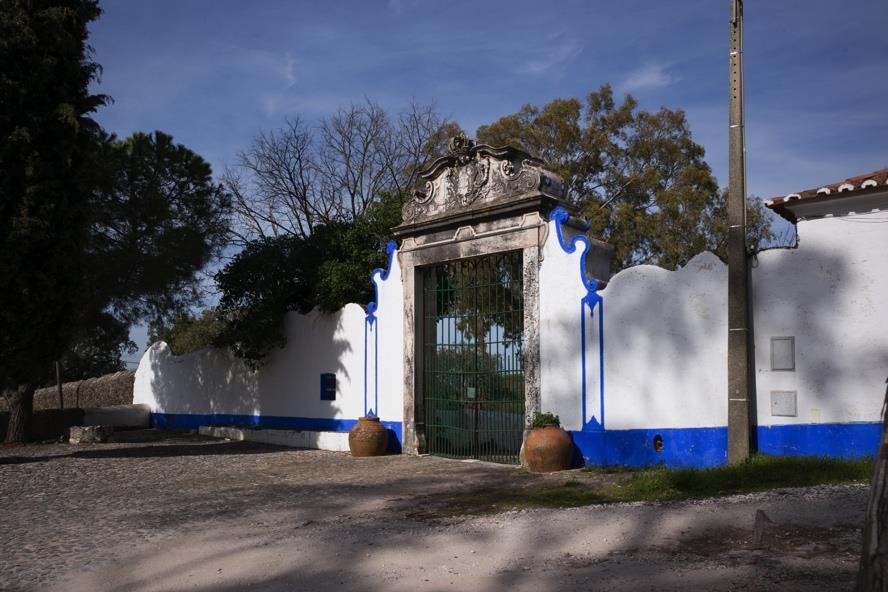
point(548, 449)
point(368, 437)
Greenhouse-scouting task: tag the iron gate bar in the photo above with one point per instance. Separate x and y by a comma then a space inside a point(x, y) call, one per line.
point(473, 378)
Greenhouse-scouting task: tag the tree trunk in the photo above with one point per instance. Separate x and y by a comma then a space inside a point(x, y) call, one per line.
point(21, 407)
point(873, 573)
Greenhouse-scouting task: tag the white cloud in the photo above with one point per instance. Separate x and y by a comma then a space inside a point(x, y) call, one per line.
point(552, 57)
point(290, 70)
point(648, 77)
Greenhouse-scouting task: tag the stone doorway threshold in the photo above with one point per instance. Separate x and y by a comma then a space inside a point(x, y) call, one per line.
point(320, 440)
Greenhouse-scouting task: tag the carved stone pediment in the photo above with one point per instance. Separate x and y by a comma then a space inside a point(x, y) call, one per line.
point(476, 178)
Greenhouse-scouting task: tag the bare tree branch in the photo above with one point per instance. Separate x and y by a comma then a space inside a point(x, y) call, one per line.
point(293, 179)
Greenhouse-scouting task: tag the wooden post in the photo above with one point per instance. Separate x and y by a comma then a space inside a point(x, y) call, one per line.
point(58, 370)
point(739, 408)
point(873, 573)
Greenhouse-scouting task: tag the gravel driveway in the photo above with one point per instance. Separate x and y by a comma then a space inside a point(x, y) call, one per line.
point(174, 511)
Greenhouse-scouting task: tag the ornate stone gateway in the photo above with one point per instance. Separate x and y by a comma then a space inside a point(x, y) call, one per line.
point(473, 365)
point(469, 257)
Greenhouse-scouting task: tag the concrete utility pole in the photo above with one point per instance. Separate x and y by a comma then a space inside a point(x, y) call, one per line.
point(739, 424)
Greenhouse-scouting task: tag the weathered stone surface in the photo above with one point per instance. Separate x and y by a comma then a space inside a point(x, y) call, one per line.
point(478, 180)
point(478, 200)
point(89, 434)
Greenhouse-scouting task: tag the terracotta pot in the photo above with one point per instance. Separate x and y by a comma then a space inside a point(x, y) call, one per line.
point(368, 437)
point(548, 449)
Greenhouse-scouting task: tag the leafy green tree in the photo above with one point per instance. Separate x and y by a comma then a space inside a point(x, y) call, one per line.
point(98, 352)
point(492, 383)
point(475, 292)
point(158, 219)
point(269, 277)
point(353, 250)
point(324, 270)
point(638, 176)
point(189, 332)
point(313, 208)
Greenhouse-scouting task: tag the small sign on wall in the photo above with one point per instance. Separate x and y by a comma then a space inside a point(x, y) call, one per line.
point(783, 353)
point(328, 386)
point(784, 403)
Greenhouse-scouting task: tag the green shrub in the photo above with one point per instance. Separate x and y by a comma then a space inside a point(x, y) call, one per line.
point(541, 420)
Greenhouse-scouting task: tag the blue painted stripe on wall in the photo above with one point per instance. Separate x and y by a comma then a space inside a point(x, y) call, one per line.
point(591, 299)
point(849, 440)
point(707, 447)
point(682, 447)
point(194, 421)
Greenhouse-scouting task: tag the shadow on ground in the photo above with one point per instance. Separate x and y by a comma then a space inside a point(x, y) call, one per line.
point(176, 511)
point(173, 445)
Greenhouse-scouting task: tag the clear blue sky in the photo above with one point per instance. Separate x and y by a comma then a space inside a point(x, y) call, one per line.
point(213, 73)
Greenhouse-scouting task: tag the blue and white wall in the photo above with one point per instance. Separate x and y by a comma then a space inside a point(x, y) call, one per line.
point(830, 295)
point(384, 343)
point(637, 372)
point(570, 384)
point(363, 349)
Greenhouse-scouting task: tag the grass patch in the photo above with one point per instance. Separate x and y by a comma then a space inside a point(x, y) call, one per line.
point(758, 474)
point(621, 484)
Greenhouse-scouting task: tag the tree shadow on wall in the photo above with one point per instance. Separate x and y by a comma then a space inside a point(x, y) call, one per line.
point(215, 382)
point(825, 305)
point(665, 344)
point(669, 339)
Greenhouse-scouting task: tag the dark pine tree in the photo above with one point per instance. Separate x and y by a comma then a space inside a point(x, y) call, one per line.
point(46, 142)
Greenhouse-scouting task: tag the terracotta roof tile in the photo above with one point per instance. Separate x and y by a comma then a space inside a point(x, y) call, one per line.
point(849, 186)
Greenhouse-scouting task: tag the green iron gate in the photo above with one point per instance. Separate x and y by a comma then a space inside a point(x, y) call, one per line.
point(473, 376)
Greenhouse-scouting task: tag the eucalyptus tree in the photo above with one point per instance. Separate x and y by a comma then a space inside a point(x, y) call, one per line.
point(638, 176)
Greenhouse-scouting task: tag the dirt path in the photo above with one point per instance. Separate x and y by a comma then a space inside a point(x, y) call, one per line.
point(700, 546)
point(190, 514)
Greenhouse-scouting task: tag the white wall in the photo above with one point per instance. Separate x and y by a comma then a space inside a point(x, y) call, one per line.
point(385, 345)
point(665, 345)
point(831, 294)
point(213, 381)
point(561, 290)
point(665, 333)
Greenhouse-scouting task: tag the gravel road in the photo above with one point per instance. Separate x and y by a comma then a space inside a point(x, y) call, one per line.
point(174, 511)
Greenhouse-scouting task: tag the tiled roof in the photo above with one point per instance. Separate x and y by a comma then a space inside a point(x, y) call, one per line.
point(851, 186)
